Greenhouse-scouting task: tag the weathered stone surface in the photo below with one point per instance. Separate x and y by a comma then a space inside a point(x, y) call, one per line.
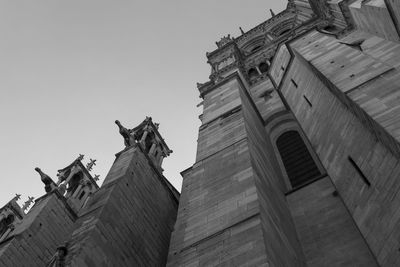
point(336, 133)
point(47, 225)
point(326, 231)
point(128, 221)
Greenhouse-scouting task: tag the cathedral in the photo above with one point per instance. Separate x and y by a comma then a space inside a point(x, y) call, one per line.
point(297, 164)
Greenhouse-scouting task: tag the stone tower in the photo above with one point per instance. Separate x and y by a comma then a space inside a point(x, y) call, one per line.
point(298, 160)
point(298, 150)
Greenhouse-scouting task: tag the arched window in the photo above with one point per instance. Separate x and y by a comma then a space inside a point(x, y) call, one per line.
point(252, 73)
point(263, 67)
point(256, 48)
point(299, 165)
point(284, 32)
point(74, 183)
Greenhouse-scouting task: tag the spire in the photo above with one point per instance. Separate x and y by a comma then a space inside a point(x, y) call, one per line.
point(17, 197)
point(241, 30)
point(272, 12)
point(90, 165)
point(48, 182)
point(80, 157)
point(27, 203)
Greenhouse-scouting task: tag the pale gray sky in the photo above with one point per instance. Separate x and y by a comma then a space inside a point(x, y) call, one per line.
point(69, 68)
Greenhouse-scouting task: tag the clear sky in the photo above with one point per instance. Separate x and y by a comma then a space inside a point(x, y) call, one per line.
point(70, 68)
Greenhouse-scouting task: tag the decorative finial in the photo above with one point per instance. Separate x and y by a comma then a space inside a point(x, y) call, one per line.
point(48, 182)
point(96, 177)
point(272, 13)
point(199, 85)
point(27, 203)
point(17, 197)
point(80, 157)
point(241, 30)
point(157, 125)
point(126, 134)
point(90, 165)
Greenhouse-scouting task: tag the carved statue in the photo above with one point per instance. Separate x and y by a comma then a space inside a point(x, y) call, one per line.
point(126, 134)
point(48, 182)
point(199, 85)
point(58, 258)
point(224, 40)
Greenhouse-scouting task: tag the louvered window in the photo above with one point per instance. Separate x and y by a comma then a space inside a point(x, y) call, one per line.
point(300, 166)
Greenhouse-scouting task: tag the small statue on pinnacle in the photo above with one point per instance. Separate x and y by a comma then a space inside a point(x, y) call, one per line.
point(90, 165)
point(81, 156)
point(48, 182)
point(126, 134)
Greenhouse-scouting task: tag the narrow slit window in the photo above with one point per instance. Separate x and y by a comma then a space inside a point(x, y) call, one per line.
point(359, 171)
point(294, 83)
point(81, 195)
point(308, 101)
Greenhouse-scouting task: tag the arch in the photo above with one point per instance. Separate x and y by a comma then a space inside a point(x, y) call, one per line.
point(284, 32)
point(254, 44)
point(255, 48)
point(297, 160)
point(74, 182)
point(263, 67)
point(252, 73)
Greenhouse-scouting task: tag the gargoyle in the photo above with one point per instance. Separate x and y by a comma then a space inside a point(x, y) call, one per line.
point(49, 184)
point(126, 134)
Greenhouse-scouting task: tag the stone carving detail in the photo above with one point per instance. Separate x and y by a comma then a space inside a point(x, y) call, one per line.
point(49, 184)
point(128, 135)
point(224, 40)
point(226, 62)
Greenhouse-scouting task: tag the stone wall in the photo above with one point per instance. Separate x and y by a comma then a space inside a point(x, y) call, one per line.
point(327, 232)
point(128, 221)
point(337, 134)
point(283, 248)
point(375, 18)
point(46, 226)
